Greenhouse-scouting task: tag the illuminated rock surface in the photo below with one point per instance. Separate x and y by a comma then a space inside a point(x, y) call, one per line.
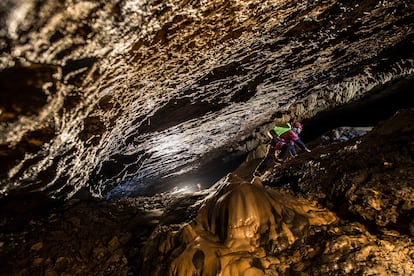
point(116, 118)
point(134, 97)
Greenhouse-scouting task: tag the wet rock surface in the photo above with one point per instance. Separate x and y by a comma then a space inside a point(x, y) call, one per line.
point(117, 116)
point(136, 97)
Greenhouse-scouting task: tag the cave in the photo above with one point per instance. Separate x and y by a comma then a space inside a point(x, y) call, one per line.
point(130, 130)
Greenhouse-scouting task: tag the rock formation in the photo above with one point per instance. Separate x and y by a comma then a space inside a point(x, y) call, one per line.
point(240, 229)
point(129, 131)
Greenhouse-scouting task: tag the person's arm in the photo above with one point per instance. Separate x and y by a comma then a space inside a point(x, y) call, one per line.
point(293, 136)
point(302, 145)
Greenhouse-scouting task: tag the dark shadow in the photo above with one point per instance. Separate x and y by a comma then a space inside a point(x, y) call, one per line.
point(380, 104)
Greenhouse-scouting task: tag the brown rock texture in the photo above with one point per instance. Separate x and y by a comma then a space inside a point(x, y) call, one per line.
point(126, 97)
point(129, 131)
point(242, 228)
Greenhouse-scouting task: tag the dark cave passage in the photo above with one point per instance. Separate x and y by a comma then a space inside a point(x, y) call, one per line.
point(212, 172)
point(379, 105)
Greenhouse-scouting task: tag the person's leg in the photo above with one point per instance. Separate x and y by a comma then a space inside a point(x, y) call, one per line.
point(284, 152)
point(265, 163)
point(293, 151)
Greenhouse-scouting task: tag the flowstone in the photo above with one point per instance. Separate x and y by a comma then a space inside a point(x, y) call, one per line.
point(241, 229)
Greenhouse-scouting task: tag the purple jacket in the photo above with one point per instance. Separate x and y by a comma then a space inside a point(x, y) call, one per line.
point(289, 137)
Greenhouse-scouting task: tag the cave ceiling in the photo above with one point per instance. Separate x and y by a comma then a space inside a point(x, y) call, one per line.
point(122, 97)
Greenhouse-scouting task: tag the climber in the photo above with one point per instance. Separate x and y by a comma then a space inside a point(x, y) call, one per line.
point(283, 139)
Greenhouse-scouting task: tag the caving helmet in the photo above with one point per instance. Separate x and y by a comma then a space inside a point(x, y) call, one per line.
point(297, 125)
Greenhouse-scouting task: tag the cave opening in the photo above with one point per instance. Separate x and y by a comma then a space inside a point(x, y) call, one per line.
point(212, 171)
point(378, 105)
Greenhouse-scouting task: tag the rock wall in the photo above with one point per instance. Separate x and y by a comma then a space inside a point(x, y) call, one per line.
point(120, 98)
